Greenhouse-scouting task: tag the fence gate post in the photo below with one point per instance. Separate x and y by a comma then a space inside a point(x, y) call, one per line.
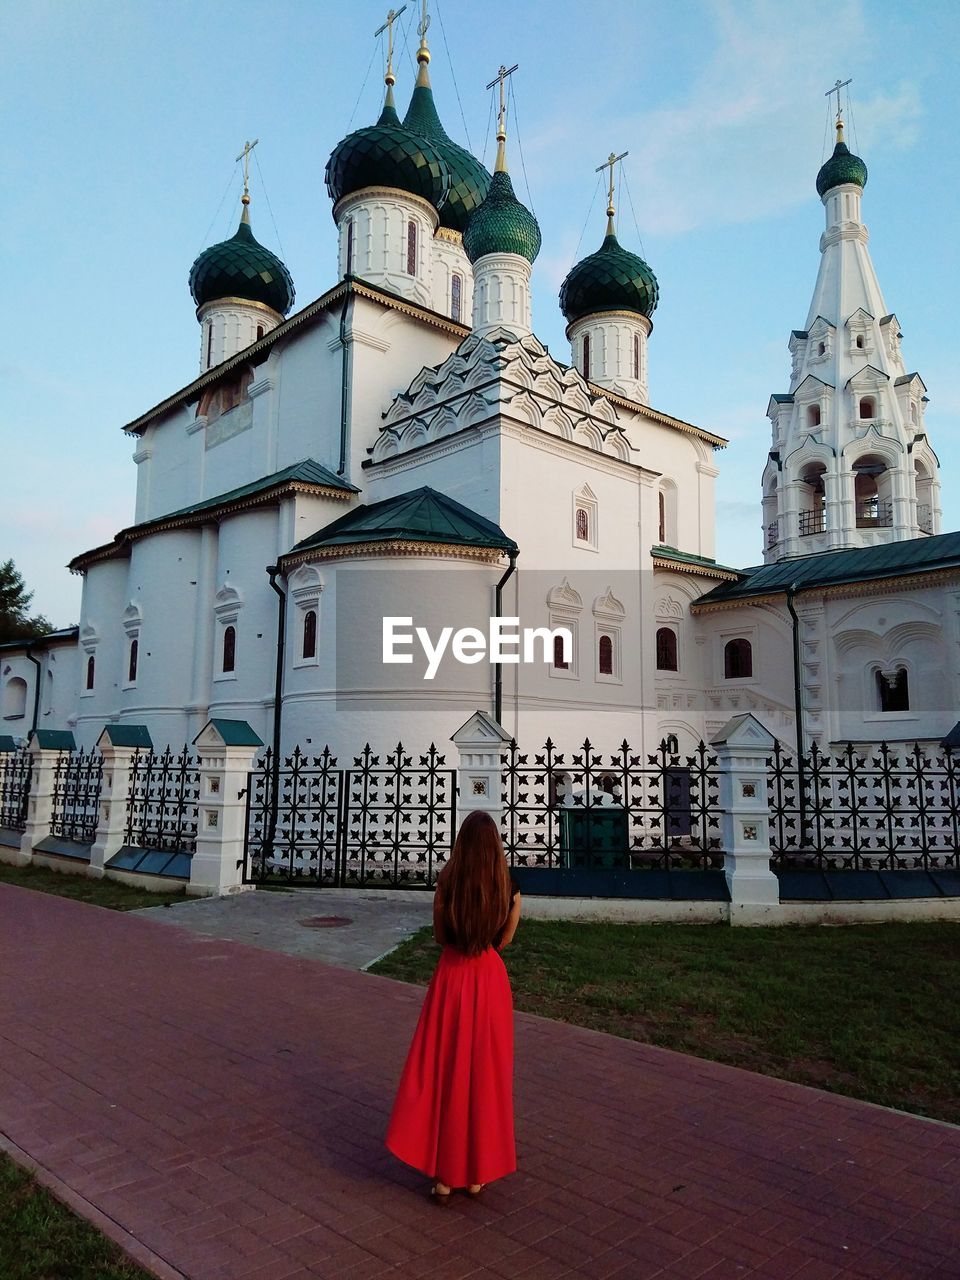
point(227, 751)
point(743, 746)
point(481, 743)
point(46, 747)
point(118, 744)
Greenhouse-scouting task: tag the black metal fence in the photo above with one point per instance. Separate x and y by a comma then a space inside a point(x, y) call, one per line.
point(163, 800)
point(77, 781)
point(382, 821)
point(16, 770)
point(865, 808)
point(623, 810)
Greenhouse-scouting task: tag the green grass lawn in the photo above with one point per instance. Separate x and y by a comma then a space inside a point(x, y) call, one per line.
point(42, 1240)
point(864, 1010)
point(102, 893)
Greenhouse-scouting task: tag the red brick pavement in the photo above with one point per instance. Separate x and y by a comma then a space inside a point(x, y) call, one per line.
point(220, 1109)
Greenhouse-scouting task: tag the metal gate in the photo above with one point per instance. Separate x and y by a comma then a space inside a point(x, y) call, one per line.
point(385, 821)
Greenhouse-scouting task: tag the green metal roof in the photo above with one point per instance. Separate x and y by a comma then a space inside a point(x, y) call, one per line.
point(469, 180)
point(7, 742)
point(663, 552)
point(242, 267)
point(235, 733)
point(423, 515)
point(612, 279)
point(502, 224)
point(308, 472)
point(128, 735)
point(839, 568)
point(843, 166)
point(55, 739)
point(388, 155)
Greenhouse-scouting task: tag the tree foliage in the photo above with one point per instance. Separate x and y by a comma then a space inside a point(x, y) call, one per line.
point(15, 621)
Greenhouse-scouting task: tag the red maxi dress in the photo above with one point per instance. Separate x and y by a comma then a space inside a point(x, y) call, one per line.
point(453, 1114)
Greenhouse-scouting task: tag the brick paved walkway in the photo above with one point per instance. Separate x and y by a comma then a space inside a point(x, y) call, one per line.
point(224, 1106)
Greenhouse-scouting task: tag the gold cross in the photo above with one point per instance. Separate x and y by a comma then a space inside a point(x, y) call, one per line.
point(423, 25)
point(245, 157)
point(502, 114)
point(392, 16)
point(610, 161)
point(841, 84)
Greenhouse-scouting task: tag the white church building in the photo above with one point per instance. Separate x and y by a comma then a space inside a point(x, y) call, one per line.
point(405, 447)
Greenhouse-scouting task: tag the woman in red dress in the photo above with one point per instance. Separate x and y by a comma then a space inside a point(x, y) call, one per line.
point(453, 1114)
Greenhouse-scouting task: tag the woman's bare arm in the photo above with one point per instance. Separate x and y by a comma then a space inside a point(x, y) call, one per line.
point(439, 931)
point(510, 928)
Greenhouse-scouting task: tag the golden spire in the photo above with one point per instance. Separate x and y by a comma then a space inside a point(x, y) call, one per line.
point(609, 163)
point(501, 165)
point(389, 79)
point(423, 53)
point(841, 84)
point(245, 198)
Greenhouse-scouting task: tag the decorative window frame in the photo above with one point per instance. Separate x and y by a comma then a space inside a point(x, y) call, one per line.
point(586, 499)
point(874, 715)
point(668, 624)
point(723, 639)
point(132, 622)
point(822, 333)
point(227, 608)
point(89, 643)
point(564, 606)
point(305, 587)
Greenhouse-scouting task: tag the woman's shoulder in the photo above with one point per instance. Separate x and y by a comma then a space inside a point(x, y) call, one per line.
point(514, 889)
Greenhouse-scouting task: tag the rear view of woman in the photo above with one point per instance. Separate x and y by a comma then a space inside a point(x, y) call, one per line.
point(453, 1114)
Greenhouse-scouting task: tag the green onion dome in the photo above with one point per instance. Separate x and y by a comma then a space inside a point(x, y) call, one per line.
point(843, 166)
point(501, 224)
point(469, 180)
point(388, 155)
point(612, 279)
point(242, 267)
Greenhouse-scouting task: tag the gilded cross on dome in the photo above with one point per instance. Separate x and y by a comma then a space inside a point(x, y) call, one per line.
point(610, 162)
point(392, 16)
point(501, 76)
point(245, 157)
point(841, 84)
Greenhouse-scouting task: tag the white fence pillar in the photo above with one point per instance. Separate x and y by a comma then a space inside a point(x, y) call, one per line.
point(743, 747)
point(118, 744)
point(481, 744)
point(227, 751)
point(46, 746)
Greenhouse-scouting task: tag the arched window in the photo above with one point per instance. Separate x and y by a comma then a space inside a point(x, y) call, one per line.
point(892, 691)
point(636, 355)
point(822, 349)
point(666, 649)
point(586, 355)
point(209, 344)
point(583, 525)
point(663, 516)
point(813, 415)
point(411, 248)
point(456, 297)
point(15, 699)
point(349, 270)
point(132, 661)
point(860, 342)
point(737, 659)
point(229, 649)
point(259, 332)
point(867, 407)
point(310, 633)
point(91, 671)
point(559, 661)
point(605, 656)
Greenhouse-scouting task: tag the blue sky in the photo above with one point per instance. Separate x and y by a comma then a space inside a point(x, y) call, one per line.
point(123, 121)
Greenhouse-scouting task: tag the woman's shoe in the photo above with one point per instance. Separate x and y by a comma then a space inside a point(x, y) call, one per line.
point(473, 1192)
point(441, 1198)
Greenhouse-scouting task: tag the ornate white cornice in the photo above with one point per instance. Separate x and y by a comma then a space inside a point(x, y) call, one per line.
point(395, 547)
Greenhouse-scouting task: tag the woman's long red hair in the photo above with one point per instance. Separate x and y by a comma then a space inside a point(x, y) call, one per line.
point(476, 885)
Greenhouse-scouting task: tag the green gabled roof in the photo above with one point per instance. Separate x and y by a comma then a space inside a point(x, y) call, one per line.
point(840, 568)
point(128, 735)
point(55, 739)
point(687, 558)
point(423, 515)
point(306, 472)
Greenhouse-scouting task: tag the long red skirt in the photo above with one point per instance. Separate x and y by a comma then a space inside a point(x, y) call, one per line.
point(453, 1114)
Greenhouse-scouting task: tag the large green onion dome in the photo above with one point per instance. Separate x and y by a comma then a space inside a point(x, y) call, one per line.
point(501, 224)
point(242, 267)
point(388, 154)
point(612, 279)
point(843, 166)
point(469, 180)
